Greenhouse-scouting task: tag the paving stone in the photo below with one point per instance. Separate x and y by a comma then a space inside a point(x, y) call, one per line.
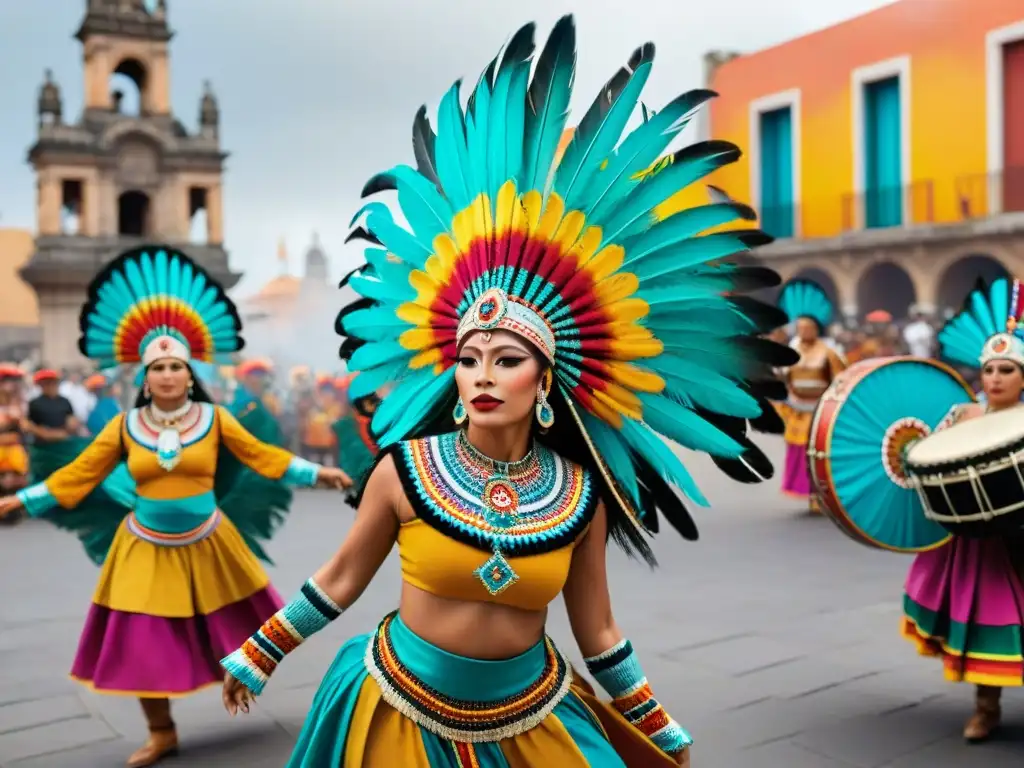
point(20, 715)
point(52, 737)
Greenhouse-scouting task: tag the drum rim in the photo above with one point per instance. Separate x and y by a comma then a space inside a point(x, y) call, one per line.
point(870, 366)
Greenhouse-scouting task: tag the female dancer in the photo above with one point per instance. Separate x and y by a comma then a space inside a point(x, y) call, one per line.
point(810, 311)
point(570, 325)
point(964, 601)
point(179, 585)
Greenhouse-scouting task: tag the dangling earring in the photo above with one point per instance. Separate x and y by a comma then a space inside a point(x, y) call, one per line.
point(145, 390)
point(459, 413)
point(191, 388)
point(545, 414)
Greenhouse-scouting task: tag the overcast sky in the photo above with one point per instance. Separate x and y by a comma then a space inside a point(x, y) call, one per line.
point(317, 95)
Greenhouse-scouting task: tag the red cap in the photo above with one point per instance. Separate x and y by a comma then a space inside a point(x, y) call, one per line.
point(45, 374)
point(250, 367)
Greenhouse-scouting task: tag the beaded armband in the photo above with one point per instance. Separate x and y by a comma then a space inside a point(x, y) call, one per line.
point(308, 612)
point(618, 672)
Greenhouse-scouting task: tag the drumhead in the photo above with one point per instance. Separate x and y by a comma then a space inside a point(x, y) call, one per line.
point(894, 404)
point(969, 439)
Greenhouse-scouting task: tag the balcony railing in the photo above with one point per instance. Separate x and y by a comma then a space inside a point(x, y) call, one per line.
point(889, 207)
point(980, 194)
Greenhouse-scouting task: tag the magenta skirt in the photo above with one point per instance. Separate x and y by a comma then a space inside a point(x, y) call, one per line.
point(964, 603)
point(796, 478)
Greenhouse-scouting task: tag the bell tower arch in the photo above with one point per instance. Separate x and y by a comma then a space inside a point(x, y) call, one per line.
point(119, 177)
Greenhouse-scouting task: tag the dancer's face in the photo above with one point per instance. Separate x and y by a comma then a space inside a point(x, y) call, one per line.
point(1002, 381)
point(497, 376)
point(168, 380)
point(806, 329)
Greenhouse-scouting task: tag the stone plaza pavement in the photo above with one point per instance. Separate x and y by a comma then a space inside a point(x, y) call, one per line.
point(774, 640)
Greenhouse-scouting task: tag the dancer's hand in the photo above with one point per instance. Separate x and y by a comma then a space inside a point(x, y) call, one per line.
point(9, 505)
point(235, 695)
point(332, 477)
point(683, 757)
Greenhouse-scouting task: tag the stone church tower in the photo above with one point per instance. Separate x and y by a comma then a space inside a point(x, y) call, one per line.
point(113, 180)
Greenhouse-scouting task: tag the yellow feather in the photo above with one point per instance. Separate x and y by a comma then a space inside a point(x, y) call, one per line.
point(462, 229)
point(606, 413)
point(619, 405)
point(447, 253)
point(607, 262)
point(550, 219)
point(634, 377)
point(425, 358)
point(483, 221)
point(426, 288)
point(635, 350)
point(506, 208)
point(414, 314)
point(569, 229)
point(628, 310)
point(587, 245)
point(532, 204)
point(616, 288)
point(417, 338)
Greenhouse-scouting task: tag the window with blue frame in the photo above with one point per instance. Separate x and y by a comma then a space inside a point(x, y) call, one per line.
point(883, 159)
point(777, 210)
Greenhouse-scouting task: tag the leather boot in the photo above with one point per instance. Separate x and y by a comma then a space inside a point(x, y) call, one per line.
point(163, 737)
point(986, 715)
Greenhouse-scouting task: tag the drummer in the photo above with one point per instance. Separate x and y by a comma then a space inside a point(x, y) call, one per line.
point(810, 312)
point(964, 601)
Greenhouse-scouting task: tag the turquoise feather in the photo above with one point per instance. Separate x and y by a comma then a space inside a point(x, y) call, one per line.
point(679, 423)
point(453, 166)
point(369, 380)
point(640, 149)
point(691, 252)
point(424, 207)
point(803, 298)
point(680, 227)
point(614, 454)
point(416, 409)
point(644, 442)
point(378, 290)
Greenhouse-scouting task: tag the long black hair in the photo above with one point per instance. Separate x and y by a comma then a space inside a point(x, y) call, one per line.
point(198, 395)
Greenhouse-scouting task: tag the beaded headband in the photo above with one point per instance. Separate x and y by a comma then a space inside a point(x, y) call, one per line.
point(1003, 346)
point(495, 310)
point(165, 347)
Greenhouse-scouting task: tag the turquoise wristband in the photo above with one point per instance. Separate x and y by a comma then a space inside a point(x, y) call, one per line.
point(301, 473)
point(36, 499)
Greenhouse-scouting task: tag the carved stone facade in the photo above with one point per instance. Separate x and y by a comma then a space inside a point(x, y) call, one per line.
point(112, 179)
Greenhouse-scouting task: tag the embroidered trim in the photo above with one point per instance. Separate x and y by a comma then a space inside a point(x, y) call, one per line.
point(556, 498)
point(153, 536)
point(465, 755)
point(144, 431)
point(464, 721)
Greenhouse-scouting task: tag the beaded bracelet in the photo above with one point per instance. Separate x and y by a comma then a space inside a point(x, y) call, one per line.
point(618, 671)
point(308, 612)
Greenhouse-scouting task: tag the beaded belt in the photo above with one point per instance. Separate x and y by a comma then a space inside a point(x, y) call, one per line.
point(459, 720)
point(183, 539)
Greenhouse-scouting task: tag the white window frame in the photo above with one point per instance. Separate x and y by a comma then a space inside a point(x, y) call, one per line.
point(860, 78)
point(780, 100)
point(995, 141)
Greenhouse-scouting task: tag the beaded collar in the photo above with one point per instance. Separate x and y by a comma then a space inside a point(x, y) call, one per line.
point(145, 430)
point(539, 504)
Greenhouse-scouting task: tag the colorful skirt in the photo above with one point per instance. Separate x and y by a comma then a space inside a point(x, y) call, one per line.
point(391, 698)
point(164, 614)
point(964, 603)
point(13, 467)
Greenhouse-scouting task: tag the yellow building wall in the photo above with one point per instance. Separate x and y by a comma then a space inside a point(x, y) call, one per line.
point(18, 304)
point(945, 40)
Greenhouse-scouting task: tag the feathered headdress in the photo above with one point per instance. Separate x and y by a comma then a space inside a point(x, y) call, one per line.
point(989, 327)
point(154, 302)
point(804, 298)
point(625, 300)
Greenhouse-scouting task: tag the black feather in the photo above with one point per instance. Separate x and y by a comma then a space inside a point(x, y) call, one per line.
point(423, 142)
point(665, 499)
point(769, 422)
point(769, 389)
point(768, 352)
point(348, 309)
point(712, 148)
point(380, 182)
point(765, 317)
point(562, 38)
point(361, 233)
point(520, 48)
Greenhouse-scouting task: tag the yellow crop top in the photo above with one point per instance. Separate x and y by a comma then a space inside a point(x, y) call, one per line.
point(133, 435)
point(506, 538)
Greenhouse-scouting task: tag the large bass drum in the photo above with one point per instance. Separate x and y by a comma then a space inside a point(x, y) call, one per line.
point(861, 429)
point(970, 477)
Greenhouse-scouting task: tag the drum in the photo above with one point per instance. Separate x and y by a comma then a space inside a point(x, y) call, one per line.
point(861, 429)
point(970, 477)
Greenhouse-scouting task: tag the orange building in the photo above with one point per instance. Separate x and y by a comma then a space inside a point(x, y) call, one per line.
point(19, 308)
point(920, 103)
point(904, 119)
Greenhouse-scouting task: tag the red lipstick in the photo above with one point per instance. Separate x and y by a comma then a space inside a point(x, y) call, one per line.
point(486, 402)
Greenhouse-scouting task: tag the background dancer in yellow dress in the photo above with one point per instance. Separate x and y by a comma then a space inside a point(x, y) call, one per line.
point(181, 584)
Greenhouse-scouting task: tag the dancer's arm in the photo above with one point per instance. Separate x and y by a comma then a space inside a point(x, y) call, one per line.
point(70, 484)
point(273, 462)
point(610, 657)
point(333, 588)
